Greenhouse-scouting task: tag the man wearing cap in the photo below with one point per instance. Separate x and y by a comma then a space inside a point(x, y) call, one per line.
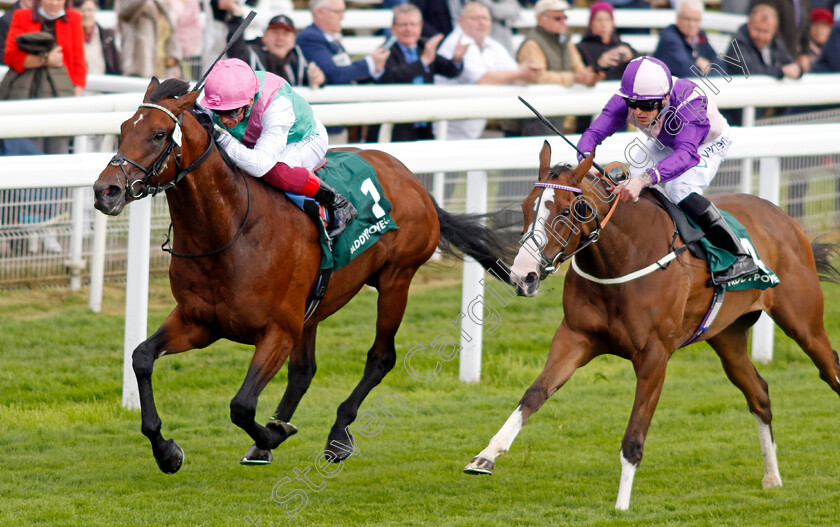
point(274, 52)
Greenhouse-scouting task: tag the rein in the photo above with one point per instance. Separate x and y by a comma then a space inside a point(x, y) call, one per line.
point(175, 139)
point(591, 238)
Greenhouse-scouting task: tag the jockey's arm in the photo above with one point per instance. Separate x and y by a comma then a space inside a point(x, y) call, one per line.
point(612, 119)
point(684, 155)
point(277, 120)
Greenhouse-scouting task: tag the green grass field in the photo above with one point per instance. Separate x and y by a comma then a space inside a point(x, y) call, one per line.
point(72, 456)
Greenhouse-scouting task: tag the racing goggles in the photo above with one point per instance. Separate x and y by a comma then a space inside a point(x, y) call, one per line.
point(230, 114)
point(647, 105)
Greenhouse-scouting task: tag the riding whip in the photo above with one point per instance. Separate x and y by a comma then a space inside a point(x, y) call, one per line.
point(558, 132)
point(233, 38)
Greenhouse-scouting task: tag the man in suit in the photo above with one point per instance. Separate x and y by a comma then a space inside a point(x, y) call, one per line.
point(415, 61)
point(275, 52)
point(321, 44)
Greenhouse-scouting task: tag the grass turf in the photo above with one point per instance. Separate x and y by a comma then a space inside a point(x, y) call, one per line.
point(72, 456)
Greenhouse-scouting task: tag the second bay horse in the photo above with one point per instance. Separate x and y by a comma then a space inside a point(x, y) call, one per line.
point(609, 308)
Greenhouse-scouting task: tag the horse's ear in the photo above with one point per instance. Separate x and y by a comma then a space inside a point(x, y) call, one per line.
point(185, 101)
point(153, 84)
point(545, 161)
point(584, 166)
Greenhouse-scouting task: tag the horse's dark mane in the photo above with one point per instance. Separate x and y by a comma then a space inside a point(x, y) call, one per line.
point(170, 88)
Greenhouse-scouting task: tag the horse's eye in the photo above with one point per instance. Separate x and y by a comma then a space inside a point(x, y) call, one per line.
point(160, 134)
point(566, 211)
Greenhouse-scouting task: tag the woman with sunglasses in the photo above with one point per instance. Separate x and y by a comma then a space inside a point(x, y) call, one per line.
point(687, 140)
point(272, 134)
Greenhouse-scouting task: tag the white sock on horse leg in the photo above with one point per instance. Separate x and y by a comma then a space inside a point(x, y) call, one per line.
point(625, 485)
point(768, 452)
point(500, 443)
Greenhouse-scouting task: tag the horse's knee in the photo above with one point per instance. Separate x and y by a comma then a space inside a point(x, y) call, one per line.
point(143, 360)
point(533, 399)
point(632, 449)
point(242, 412)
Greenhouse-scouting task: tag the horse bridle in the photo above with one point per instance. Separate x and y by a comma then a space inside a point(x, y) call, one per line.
point(561, 257)
point(174, 141)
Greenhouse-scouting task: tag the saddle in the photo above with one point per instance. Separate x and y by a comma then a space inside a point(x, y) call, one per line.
point(690, 235)
point(700, 247)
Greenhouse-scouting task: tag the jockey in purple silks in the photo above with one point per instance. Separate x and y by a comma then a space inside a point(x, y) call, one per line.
point(687, 139)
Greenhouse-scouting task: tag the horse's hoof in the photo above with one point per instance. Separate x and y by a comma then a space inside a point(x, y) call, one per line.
point(771, 482)
point(339, 449)
point(171, 458)
point(285, 429)
point(256, 456)
point(480, 465)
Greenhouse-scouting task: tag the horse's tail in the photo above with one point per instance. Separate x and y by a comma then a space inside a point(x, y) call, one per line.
point(824, 254)
point(468, 234)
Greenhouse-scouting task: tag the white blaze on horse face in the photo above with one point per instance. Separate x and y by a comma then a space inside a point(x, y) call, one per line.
point(500, 443)
point(772, 478)
point(528, 258)
point(625, 484)
point(139, 118)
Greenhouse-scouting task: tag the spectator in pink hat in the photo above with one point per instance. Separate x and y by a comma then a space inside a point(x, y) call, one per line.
point(821, 21)
point(600, 47)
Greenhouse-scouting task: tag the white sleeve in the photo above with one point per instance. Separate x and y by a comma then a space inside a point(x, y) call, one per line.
point(277, 120)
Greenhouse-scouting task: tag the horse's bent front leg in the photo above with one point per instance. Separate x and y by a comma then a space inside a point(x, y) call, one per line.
point(174, 336)
point(569, 351)
point(271, 352)
point(301, 371)
point(650, 367)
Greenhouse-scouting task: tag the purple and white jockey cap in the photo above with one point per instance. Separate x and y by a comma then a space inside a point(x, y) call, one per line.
point(646, 78)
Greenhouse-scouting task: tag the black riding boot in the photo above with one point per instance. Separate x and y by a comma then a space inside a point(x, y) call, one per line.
point(710, 220)
point(342, 212)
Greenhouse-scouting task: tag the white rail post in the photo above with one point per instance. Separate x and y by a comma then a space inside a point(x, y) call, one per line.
point(77, 214)
point(769, 188)
point(76, 262)
point(472, 311)
point(136, 293)
point(97, 262)
point(439, 178)
point(97, 258)
point(748, 121)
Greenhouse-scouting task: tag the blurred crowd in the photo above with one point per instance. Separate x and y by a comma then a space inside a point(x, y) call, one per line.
point(51, 46)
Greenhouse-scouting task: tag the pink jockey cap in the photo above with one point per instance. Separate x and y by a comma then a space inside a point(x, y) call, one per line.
point(646, 78)
point(231, 84)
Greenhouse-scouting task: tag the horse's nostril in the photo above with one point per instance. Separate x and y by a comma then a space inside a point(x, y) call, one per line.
point(530, 279)
point(112, 191)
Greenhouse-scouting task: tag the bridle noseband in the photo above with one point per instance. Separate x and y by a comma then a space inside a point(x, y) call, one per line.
point(131, 188)
point(145, 190)
point(582, 244)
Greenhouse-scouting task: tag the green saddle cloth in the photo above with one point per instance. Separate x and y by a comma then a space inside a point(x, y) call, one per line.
point(720, 259)
point(355, 179)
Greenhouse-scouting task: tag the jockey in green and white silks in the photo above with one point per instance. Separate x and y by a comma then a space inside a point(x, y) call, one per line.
point(272, 134)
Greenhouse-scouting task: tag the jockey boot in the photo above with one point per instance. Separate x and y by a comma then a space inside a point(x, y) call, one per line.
point(342, 212)
point(710, 220)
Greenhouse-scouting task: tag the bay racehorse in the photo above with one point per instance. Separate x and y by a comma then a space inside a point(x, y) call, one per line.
point(644, 319)
point(256, 258)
